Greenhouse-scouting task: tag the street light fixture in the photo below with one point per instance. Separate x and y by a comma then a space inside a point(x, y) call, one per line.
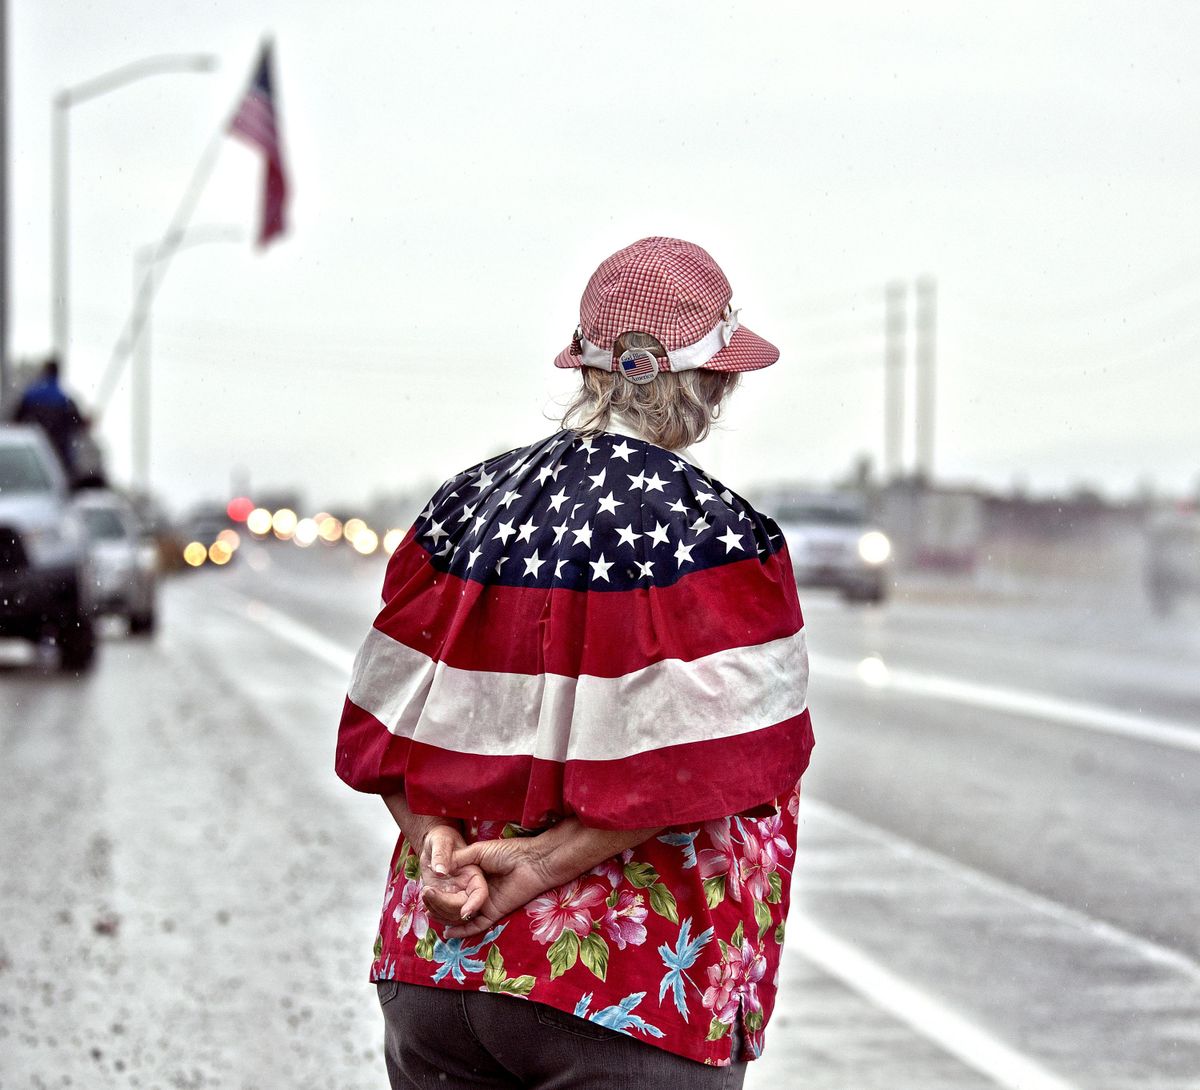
point(60, 191)
point(145, 258)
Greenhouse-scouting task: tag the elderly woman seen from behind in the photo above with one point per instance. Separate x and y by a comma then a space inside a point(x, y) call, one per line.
point(583, 702)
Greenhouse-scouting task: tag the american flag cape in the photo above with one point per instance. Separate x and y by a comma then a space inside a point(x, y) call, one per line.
point(257, 122)
point(586, 626)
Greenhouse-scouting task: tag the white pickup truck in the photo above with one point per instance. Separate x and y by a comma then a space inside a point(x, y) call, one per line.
point(833, 543)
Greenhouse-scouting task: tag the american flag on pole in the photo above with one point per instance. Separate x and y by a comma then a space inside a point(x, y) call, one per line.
point(585, 626)
point(256, 121)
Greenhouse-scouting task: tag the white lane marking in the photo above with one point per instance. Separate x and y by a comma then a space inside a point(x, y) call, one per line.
point(1034, 902)
point(1075, 713)
point(933, 1020)
point(297, 633)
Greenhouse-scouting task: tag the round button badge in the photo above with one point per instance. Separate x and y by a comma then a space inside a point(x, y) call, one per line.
point(638, 366)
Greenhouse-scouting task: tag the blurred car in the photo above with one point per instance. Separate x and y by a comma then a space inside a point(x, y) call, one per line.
point(124, 559)
point(833, 544)
point(45, 562)
point(1172, 564)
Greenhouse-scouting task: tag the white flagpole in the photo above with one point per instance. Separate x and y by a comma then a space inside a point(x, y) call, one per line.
point(156, 268)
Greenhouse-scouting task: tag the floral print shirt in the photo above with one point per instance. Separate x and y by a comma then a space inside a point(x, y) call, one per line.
point(669, 942)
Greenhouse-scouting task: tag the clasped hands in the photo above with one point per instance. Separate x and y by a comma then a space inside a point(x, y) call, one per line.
point(470, 887)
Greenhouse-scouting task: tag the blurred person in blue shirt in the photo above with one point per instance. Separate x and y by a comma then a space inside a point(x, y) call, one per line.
point(46, 404)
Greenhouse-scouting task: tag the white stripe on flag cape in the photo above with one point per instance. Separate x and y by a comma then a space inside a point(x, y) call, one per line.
point(559, 718)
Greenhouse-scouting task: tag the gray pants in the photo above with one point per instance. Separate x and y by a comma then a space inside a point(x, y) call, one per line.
point(436, 1037)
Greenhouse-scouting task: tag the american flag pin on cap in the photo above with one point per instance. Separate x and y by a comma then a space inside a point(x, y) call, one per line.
point(638, 366)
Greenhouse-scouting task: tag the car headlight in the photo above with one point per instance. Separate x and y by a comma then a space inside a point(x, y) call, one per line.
point(874, 547)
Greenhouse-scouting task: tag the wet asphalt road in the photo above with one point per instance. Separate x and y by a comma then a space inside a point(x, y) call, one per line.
point(984, 897)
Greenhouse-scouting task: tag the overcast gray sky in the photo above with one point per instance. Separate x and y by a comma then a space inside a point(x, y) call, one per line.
point(459, 170)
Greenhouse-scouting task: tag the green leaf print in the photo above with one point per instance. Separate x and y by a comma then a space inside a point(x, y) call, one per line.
point(779, 932)
point(714, 890)
point(378, 946)
point(517, 985)
point(716, 1030)
point(739, 934)
point(612, 898)
point(563, 953)
point(754, 1021)
point(762, 916)
point(593, 952)
point(640, 875)
point(776, 884)
point(493, 970)
point(425, 946)
point(412, 867)
point(495, 980)
point(662, 900)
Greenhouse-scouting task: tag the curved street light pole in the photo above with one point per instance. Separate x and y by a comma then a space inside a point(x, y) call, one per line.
point(60, 186)
point(145, 259)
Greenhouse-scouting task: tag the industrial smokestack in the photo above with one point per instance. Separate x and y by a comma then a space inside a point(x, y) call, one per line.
point(926, 367)
point(895, 331)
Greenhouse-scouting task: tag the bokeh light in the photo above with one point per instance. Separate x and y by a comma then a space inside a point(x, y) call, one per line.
point(366, 541)
point(873, 671)
point(306, 533)
point(392, 539)
point(259, 521)
point(283, 522)
point(239, 508)
point(194, 554)
point(220, 553)
point(330, 529)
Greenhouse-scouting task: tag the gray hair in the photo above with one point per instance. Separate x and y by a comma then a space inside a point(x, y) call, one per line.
point(674, 411)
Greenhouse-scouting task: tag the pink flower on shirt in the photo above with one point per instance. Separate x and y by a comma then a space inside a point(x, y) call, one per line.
point(568, 907)
point(723, 859)
point(759, 862)
point(613, 870)
point(771, 835)
point(734, 982)
point(410, 912)
point(625, 922)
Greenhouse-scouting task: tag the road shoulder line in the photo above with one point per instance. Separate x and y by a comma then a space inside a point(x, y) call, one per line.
point(873, 674)
point(295, 632)
point(1027, 899)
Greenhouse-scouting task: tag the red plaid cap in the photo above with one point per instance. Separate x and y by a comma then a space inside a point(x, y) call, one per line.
point(677, 293)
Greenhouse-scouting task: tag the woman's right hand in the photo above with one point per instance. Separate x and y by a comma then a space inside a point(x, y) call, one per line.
point(520, 868)
point(516, 872)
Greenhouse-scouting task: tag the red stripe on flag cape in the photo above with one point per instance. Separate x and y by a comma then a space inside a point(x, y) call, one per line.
point(257, 122)
point(623, 793)
point(470, 626)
